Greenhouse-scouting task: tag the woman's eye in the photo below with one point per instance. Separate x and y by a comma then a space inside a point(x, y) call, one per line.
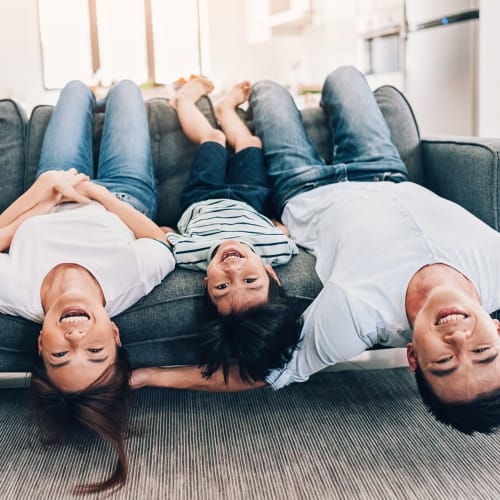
point(443, 360)
point(249, 280)
point(59, 354)
point(95, 350)
point(221, 286)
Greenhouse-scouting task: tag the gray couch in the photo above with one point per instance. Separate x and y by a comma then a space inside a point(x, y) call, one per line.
point(164, 327)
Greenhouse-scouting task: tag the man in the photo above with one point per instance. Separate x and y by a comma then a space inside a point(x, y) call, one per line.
point(392, 256)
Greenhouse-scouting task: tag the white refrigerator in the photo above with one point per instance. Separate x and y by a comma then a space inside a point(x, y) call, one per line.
point(441, 64)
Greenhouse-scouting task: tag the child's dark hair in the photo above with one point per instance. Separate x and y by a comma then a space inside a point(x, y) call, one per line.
point(482, 414)
point(259, 339)
point(100, 408)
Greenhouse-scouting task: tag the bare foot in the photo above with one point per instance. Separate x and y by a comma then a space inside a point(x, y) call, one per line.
point(192, 90)
point(236, 96)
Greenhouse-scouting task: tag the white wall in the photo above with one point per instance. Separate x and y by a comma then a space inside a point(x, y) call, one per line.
point(489, 69)
point(20, 54)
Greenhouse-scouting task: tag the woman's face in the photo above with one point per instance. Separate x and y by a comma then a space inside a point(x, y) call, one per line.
point(77, 343)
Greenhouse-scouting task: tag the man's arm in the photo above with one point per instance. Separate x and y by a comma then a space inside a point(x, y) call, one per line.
point(139, 224)
point(191, 377)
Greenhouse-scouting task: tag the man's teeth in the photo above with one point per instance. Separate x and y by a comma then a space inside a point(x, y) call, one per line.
point(74, 319)
point(451, 317)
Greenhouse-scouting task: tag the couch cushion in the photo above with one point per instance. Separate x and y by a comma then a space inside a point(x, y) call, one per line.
point(12, 133)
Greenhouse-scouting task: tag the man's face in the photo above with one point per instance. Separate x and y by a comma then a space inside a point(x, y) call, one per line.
point(456, 345)
point(77, 342)
point(237, 279)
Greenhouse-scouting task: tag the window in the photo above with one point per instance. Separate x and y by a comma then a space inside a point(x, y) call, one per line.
point(155, 41)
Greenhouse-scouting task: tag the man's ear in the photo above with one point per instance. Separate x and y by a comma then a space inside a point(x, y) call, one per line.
point(116, 333)
point(40, 343)
point(272, 273)
point(497, 325)
point(411, 357)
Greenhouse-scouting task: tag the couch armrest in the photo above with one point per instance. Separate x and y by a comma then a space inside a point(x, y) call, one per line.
point(465, 170)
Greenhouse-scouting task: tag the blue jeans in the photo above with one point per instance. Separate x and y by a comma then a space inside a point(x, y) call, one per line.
point(361, 146)
point(125, 164)
point(216, 174)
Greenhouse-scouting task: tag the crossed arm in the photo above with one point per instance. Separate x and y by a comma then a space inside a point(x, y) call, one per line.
point(47, 191)
point(191, 377)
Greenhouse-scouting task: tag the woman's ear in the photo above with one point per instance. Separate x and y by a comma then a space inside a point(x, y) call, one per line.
point(116, 333)
point(40, 343)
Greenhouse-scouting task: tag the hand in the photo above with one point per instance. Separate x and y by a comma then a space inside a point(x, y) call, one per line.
point(64, 183)
point(283, 228)
point(167, 229)
point(139, 378)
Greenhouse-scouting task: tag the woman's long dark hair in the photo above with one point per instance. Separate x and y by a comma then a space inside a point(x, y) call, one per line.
point(100, 408)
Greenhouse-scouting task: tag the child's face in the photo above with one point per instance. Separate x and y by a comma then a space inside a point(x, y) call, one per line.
point(237, 279)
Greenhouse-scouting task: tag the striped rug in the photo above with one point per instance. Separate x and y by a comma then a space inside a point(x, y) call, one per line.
point(342, 435)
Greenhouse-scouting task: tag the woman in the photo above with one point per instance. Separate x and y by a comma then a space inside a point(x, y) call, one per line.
point(82, 250)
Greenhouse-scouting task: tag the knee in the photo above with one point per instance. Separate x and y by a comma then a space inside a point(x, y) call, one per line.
point(125, 86)
point(267, 89)
point(215, 135)
point(343, 74)
point(77, 87)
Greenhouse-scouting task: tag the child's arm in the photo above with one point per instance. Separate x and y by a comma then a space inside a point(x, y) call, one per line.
point(139, 224)
point(191, 377)
point(279, 225)
point(44, 188)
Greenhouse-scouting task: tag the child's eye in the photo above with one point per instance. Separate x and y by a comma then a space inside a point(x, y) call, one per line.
point(221, 286)
point(95, 350)
point(249, 280)
point(59, 354)
point(480, 349)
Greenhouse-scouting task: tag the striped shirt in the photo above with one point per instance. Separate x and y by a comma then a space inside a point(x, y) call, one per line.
point(204, 225)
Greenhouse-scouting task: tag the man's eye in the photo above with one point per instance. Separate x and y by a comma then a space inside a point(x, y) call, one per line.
point(480, 349)
point(221, 286)
point(250, 280)
point(59, 354)
point(95, 350)
point(443, 360)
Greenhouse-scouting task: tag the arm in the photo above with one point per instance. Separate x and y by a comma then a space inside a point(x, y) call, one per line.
point(139, 224)
point(44, 189)
point(279, 225)
point(191, 377)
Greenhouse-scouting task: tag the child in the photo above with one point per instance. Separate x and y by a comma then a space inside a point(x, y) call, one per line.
point(222, 229)
point(223, 232)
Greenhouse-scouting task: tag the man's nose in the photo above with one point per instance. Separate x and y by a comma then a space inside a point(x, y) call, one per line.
point(457, 337)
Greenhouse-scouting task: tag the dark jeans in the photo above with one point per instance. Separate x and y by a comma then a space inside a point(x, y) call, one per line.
point(215, 173)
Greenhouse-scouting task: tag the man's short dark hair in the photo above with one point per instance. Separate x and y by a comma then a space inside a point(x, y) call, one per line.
point(259, 339)
point(482, 414)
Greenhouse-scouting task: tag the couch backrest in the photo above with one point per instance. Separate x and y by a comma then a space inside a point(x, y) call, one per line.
point(173, 153)
point(12, 136)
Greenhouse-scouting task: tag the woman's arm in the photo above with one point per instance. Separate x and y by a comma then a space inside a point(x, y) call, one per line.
point(44, 207)
point(45, 187)
point(191, 377)
point(139, 224)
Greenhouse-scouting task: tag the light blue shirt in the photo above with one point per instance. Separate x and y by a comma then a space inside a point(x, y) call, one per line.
point(369, 240)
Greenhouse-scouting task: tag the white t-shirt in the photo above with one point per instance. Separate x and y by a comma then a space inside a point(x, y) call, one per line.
point(370, 239)
point(88, 235)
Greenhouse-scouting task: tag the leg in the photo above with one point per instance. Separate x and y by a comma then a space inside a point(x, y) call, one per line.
point(125, 162)
point(193, 121)
point(293, 163)
point(246, 172)
point(362, 143)
point(237, 133)
point(68, 139)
